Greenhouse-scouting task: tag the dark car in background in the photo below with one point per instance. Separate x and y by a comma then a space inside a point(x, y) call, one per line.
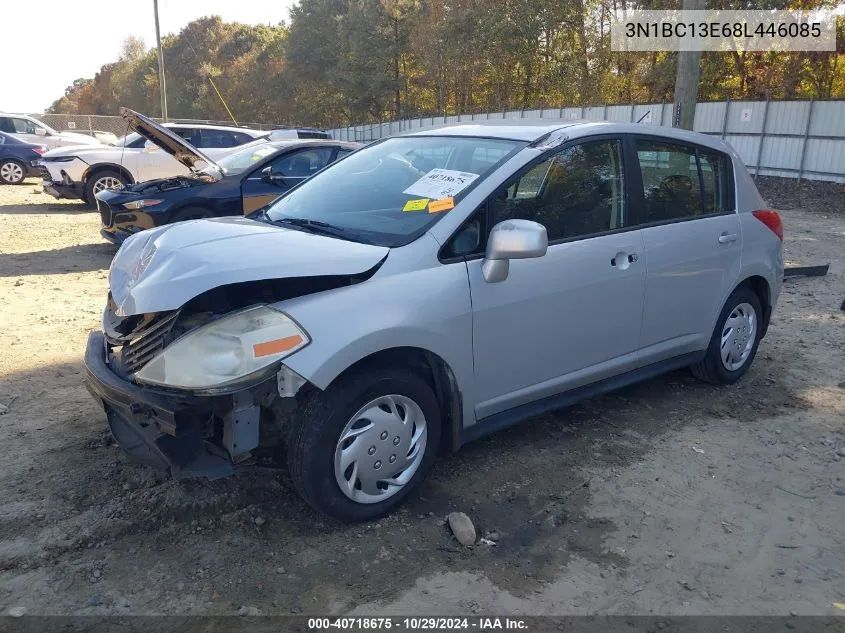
point(18, 159)
point(237, 184)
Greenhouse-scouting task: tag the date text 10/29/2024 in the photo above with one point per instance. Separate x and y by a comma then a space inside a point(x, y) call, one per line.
point(481, 623)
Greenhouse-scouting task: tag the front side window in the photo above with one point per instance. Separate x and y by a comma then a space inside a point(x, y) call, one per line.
point(302, 164)
point(578, 192)
point(681, 181)
point(385, 193)
point(22, 126)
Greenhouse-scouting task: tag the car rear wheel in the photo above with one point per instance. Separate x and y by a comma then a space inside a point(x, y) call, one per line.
point(359, 448)
point(12, 172)
point(734, 342)
point(100, 181)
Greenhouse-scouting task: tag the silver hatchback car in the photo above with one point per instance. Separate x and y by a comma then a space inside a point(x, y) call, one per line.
point(427, 290)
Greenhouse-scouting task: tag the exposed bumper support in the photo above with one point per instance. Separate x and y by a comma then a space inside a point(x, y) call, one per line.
point(165, 431)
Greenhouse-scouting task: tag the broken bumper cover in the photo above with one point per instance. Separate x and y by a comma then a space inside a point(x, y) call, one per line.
point(60, 190)
point(162, 430)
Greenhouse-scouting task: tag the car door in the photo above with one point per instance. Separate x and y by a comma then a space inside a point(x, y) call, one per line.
point(693, 243)
point(151, 162)
point(25, 131)
point(572, 316)
point(260, 187)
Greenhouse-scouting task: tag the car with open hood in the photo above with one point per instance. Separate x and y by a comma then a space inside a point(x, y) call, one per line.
point(427, 290)
point(237, 184)
point(18, 159)
point(83, 171)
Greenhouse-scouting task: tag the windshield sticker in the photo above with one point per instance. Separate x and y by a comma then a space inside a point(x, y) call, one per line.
point(441, 205)
point(441, 183)
point(261, 153)
point(416, 205)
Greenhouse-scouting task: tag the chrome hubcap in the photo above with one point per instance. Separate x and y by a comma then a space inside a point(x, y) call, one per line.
point(107, 182)
point(11, 172)
point(738, 336)
point(380, 449)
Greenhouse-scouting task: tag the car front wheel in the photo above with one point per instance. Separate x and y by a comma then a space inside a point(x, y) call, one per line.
point(100, 181)
point(360, 447)
point(734, 342)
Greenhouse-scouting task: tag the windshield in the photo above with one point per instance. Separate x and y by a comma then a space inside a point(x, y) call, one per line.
point(390, 193)
point(239, 161)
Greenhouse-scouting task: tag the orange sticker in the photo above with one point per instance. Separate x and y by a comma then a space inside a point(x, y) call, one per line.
point(276, 347)
point(441, 205)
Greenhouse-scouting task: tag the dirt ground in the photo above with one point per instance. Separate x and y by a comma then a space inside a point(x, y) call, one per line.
point(670, 497)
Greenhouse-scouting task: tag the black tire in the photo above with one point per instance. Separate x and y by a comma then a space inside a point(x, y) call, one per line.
point(711, 369)
point(94, 178)
point(15, 166)
point(320, 419)
point(190, 213)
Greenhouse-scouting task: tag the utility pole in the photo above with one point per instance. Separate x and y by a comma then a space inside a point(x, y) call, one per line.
point(161, 87)
point(686, 79)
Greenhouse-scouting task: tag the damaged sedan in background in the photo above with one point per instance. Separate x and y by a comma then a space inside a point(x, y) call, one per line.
point(427, 290)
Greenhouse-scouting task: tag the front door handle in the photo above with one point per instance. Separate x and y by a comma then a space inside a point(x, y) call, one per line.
point(622, 260)
point(727, 238)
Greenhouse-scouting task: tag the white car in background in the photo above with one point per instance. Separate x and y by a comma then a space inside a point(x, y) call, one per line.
point(32, 130)
point(83, 171)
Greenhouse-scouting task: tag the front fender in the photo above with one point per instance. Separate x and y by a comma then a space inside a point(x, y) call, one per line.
point(428, 309)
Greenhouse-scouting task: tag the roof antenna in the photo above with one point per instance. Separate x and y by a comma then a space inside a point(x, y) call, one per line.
point(643, 116)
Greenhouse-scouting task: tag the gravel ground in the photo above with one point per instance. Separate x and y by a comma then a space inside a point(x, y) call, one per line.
point(670, 497)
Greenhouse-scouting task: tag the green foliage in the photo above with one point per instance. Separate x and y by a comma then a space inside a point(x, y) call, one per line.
point(353, 61)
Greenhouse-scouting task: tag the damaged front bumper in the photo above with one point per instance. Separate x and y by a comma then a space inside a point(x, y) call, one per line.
point(167, 431)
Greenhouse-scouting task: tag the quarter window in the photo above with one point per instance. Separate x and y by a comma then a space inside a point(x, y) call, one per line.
point(578, 192)
point(681, 182)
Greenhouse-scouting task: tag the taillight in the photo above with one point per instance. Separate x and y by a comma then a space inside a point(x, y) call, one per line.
point(772, 220)
point(39, 150)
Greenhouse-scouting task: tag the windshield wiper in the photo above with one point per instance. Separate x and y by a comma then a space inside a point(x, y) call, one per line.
point(319, 227)
point(314, 225)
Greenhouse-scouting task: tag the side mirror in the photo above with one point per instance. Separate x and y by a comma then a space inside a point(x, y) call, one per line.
point(512, 239)
point(149, 146)
point(40, 131)
point(267, 175)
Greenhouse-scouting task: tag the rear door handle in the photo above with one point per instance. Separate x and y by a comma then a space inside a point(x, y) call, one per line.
point(727, 238)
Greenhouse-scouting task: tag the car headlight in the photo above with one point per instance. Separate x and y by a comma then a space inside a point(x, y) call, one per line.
point(227, 351)
point(140, 204)
point(59, 159)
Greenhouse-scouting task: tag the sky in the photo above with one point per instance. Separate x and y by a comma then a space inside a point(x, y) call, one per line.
point(57, 41)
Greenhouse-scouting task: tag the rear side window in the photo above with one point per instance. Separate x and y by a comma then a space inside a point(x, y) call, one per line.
point(715, 187)
point(241, 138)
point(215, 138)
point(318, 135)
point(6, 125)
point(681, 181)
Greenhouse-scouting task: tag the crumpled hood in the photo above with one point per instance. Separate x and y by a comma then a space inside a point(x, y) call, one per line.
point(163, 268)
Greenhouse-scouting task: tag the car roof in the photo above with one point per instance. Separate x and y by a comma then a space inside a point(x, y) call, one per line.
point(534, 130)
point(301, 142)
point(210, 126)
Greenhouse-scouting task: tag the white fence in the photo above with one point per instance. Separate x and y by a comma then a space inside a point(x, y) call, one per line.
point(790, 139)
